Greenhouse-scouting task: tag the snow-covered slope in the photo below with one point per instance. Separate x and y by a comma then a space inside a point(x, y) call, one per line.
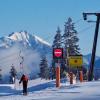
point(22, 44)
point(45, 90)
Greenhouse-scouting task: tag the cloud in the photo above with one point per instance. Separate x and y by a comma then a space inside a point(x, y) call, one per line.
point(12, 55)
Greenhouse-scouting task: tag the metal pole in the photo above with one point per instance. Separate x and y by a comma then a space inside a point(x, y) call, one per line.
point(58, 76)
point(90, 74)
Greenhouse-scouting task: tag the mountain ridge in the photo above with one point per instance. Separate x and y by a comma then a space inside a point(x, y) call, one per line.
point(29, 46)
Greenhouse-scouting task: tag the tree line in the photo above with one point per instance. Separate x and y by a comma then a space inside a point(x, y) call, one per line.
point(69, 42)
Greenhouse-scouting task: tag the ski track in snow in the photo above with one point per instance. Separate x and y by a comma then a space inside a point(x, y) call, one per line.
point(46, 90)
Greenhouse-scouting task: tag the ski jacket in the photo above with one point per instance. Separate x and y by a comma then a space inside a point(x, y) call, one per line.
point(24, 78)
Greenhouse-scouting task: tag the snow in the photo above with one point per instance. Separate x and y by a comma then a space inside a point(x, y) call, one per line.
point(41, 40)
point(15, 36)
point(45, 90)
point(19, 36)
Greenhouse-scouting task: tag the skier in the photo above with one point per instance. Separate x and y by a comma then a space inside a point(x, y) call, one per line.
point(24, 79)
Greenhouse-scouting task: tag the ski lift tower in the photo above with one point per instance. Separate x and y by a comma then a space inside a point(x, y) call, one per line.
point(91, 68)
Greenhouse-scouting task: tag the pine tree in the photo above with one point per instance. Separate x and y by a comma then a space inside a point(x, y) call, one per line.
point(13, 74)
point(70, 43)
point(57, 39)
point(44, 70)
point(57, 43)
point(70, 38)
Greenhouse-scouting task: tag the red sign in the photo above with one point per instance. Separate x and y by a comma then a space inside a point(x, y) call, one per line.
point(57, 52)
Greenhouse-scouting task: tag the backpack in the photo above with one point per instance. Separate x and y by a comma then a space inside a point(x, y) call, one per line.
point(25, 78)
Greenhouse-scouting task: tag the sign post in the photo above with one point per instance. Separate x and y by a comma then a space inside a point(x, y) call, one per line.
point(57, 55)
point(81, 76)
point(77, 62)
point(58, 76)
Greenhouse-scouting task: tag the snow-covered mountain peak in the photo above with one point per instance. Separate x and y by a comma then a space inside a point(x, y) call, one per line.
point(26, 37)
point(41, 40)
point(19, 36)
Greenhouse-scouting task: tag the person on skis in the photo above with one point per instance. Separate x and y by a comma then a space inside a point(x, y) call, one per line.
point(24, 79)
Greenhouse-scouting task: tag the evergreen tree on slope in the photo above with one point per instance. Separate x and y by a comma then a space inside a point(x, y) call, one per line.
point(44, 70)
point(57, 39)
point(70, 39)
point(13, 74)
point(56, 44)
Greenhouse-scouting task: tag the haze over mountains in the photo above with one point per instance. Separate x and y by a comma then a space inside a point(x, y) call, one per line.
point(23, 44)
point(31, 48)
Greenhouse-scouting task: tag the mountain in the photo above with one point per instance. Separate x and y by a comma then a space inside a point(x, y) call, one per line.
point(97, 64)
point(24, 38)
point(24, 51)
point(87, 59)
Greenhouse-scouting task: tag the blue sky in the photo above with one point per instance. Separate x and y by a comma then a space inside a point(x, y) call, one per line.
point(42, 17)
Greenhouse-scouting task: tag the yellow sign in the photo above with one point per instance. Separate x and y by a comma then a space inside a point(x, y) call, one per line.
point(76, 60)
